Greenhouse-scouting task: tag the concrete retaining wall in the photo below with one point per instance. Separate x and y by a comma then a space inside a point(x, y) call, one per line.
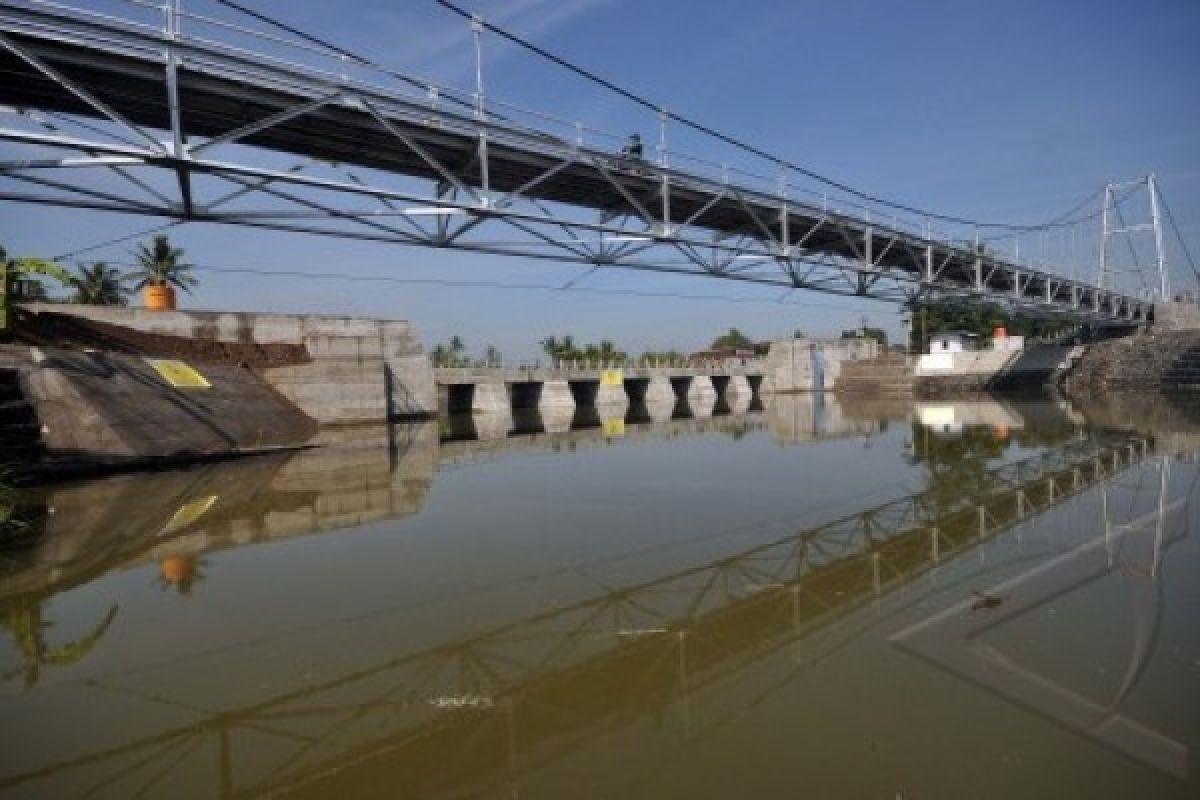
point(112, 410)
point(806, 365)
point(1148, 361)
point(404, 387)
point(976, 371)
point(1176, 316)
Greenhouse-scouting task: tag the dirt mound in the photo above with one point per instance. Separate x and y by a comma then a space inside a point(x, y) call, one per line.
point(47, 329)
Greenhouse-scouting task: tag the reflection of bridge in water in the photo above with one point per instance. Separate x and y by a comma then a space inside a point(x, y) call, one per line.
point(563, 676)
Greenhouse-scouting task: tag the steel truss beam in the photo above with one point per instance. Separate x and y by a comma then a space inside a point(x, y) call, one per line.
point(427, 161)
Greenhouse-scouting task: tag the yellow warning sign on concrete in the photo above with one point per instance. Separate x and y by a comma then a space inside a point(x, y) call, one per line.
point(189, 513)
point(613, 427)
point(178, 374)
point(612, 377)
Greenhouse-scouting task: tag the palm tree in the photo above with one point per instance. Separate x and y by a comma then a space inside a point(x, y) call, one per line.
point(99, 285)
point(23, 620)
point(160, 264)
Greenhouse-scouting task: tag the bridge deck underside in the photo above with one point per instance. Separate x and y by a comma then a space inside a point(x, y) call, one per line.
point(444, 146)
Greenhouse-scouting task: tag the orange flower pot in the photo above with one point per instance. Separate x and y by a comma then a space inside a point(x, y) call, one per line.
point(159, 298)
point(176, 569)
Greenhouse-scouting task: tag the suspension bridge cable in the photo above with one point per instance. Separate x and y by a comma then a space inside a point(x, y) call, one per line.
point(118, 240)
point(1064, 220)
point(688, 122)
point(738, 143)
point(340, 51)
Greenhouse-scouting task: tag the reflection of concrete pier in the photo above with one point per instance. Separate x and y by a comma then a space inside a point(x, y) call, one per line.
point(810, 416)
point(592, 430)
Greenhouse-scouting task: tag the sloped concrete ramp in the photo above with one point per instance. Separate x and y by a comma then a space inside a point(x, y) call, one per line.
point(108, 410)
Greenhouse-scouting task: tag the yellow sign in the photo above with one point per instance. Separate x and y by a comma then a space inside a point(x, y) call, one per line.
point(613, 427)
point(189, 513)
point(178, 374)
point(612, 377)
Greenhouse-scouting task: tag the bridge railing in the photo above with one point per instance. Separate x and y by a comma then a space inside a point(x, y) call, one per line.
point(225, 30)
point(600, 364)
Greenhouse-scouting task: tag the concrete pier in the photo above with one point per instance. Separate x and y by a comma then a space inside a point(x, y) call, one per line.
point(653, 392)
point(738, 386)
point(701, 392)
point(557, 419)
point(660, 408)
point(610, 390)
point(492, 425)
point(556, 399)
point(738, 394)
point(612, 398)
point(490, 398)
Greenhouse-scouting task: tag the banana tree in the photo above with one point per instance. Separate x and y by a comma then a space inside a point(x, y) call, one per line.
point(12, 269)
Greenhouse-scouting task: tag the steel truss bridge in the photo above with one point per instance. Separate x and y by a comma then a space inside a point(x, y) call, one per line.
point(166, 112)
point(517, 696)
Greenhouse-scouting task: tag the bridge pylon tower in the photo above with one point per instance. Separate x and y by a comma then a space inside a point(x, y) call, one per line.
point(1144, 198)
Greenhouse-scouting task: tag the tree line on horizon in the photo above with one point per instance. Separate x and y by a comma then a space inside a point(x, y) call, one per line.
point(929, 319)
point(453, 353)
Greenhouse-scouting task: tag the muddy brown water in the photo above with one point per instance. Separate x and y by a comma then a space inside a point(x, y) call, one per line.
point(825, 599)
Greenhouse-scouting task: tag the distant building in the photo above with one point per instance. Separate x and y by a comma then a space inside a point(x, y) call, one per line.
point(952, 342)
point(1008, 343)
point(757, 350)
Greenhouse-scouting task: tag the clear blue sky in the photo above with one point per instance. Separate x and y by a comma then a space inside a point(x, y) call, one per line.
point(1005, 111)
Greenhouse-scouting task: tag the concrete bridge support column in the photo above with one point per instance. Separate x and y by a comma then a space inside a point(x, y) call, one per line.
point(493, 425)
point(701, 396)
point(654, 398)
point(611, 399)
point(701, 391)
point(491, 398)
point(738, 394)
point(659, 392)
point(556, 398)
point(556, 405)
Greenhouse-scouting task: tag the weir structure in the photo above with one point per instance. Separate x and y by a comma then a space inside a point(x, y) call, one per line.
point(614, 388)
point(170, 111)
point(682, 633)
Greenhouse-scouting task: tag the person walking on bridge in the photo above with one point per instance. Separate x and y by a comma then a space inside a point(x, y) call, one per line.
point(633, 148)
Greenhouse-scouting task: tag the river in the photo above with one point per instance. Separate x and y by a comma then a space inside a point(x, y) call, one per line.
point(823, 598)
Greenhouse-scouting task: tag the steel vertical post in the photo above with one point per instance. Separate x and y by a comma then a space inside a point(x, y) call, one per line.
point(1160, 254)
point(480, 112)
point(477, 34)
point(785, 228)
point(173, 26)
point(666, 181)
point(1108, 194)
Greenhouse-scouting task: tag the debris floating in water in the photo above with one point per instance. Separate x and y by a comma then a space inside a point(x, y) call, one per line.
point(984, 601)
